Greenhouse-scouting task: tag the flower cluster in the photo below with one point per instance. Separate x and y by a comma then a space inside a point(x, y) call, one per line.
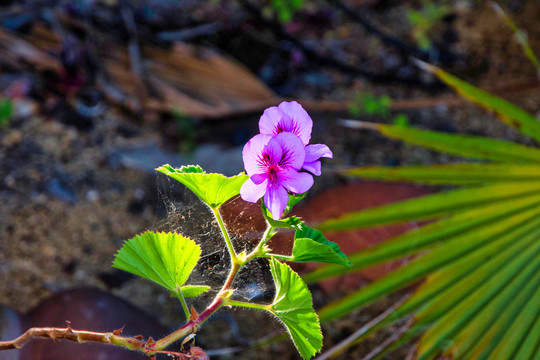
point(280, 160)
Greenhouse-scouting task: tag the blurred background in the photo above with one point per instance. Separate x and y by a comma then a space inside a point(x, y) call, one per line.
point(94, 95)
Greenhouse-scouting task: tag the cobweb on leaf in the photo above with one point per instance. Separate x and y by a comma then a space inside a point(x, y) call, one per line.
point(181, 211)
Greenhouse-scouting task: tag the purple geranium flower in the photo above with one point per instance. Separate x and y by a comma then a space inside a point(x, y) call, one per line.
point(273, 164)
point(291, 117)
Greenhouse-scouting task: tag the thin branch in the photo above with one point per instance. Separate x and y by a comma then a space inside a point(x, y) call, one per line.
point(395, 336)
point(80, 336)
point(319, 59)
point(339, 348)
point(443, 55)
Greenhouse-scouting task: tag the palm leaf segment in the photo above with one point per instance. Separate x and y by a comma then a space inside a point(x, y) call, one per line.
point(479, 261)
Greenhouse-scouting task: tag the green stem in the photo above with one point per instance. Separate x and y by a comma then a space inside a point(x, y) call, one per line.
point(248, 305)
point(277, 256)
point(192, 325)
point(257, 252)
point(180, 297)
point(266, 236)
point(217, 215)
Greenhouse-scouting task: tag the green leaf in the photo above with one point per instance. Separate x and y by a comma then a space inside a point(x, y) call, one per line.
point(420, 267)
point(6, 111)
point(293, 305)
point(513, 336)
point(444, 289)
point(508, 112)
point(516, 274)
point(165, 258)
point(401, 120)
point(530, 344)
point(475, 147)
point(493, 322)
point(451, 174)
point(193, 290)
point(212, 189)
point(310, 245)
point(292, 222)
point(430, 206)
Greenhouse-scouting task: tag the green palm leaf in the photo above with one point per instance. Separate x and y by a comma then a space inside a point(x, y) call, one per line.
point(477, 265)
point(469, 146)
point(428, 235)
point(454, 174)
point(507, 112)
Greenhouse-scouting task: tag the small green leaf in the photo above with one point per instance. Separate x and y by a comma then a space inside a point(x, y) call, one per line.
point(293, 305)
point(402, 120)
point(165, 258)
point(292, 222)
point(212, 189)
point(6, 111)
point(293, 200)
point(310, 245)
point(194, 290)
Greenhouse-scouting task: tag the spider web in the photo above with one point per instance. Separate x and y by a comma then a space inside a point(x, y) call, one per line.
point(179, 210)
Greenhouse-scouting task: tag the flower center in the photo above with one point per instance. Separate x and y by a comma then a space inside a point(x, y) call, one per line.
point(273, 170)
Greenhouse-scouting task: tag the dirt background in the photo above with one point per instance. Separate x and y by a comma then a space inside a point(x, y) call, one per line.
point(71, 195)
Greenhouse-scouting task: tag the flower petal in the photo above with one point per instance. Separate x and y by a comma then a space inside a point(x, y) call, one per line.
point(276, 199)
point(313, 167)
point(273, 152)
point(259, 178)
point(252, 192)
point(302, 123)
point(296, 182)
point(252, 154)
point(293, 150)
point(274, 121)
point(317, 151)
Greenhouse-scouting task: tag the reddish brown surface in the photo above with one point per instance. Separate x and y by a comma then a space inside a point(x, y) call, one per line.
point(92, 310)
point(354, 197)
point(329, 204)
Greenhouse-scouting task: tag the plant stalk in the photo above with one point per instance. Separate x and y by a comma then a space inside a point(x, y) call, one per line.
point(190, 327)
point(80, 336)
point(248, 305)
point(217, 215)
point(185, 307)
point(193, 324)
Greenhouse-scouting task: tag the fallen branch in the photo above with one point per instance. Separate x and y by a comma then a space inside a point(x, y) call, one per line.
point(443, 55)
point(135, 343)
point(322, 60)
point(80, 336)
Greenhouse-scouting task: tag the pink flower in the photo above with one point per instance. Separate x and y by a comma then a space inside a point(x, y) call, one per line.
point(291, 117)
point(273, 164)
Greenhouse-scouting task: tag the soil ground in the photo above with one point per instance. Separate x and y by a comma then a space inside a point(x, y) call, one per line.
point(71, 196)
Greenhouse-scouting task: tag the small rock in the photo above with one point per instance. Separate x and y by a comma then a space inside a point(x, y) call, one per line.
point(12, 138)
point(92, 195)
point(61, 191)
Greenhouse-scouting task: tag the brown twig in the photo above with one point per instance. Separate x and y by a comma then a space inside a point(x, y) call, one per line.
point(395, 336)
point(80, 336)
point(347, 342)
point(443, 55)
point(329, 61)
